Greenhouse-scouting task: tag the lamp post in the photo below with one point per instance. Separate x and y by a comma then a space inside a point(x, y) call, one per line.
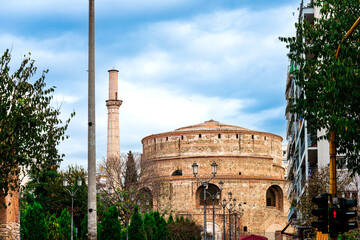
point(223, 204)
point(230, 208)
point(205, 184)
point(72, 193)
point(239, 213)
point(215, 196)
point(127, 206)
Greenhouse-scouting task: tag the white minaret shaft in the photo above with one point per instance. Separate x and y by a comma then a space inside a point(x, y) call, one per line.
point(113, 105)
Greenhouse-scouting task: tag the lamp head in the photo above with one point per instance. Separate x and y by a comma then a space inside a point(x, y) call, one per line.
point(79, 181)
point(195, 168)
point(221, 185)
point(214, 168)
point(65, 182)
point(230, 195)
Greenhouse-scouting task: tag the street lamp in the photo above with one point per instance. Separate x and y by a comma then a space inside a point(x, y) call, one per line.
point(215, 196)
point(230, 208)
point(72, 193)
point(239, 213)
point(205, 184)
point(223, 204)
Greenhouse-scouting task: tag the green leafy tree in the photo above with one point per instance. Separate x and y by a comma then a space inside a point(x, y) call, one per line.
point(46, 187)
point(65, 225)
point(170, 219)
point(131, 174)
point(53, 227)
point(136, 228)
point(30, 127)
point(34, 223)
point(149, 226)
point(331, 85)
point(110, 225)
point(84, 228)
point(161, 226)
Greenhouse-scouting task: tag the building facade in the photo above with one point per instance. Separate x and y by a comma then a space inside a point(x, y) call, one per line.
point(249, 164)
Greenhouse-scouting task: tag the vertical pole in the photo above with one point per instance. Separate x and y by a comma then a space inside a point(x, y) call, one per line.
point(229, 225)
point(332, 152)
point(224, 221)
point(127, 228)
point(213, 219)
point(19, 210)
point(72, 216)
point(204, 210)
point(92, 221)
point(235, 214)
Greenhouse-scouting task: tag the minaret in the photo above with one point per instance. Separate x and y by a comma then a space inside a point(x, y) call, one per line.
point(113, 105)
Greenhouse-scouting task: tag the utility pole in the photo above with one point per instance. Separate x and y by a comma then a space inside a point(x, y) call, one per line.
point(332, 147)
point(92, 221)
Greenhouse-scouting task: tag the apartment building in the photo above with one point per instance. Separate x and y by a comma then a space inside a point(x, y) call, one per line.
point(305, 154)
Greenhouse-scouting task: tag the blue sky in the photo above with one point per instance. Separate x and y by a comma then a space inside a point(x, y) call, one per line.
point(180, 62)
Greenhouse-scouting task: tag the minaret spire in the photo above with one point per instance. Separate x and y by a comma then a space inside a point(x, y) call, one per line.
point(113, 105)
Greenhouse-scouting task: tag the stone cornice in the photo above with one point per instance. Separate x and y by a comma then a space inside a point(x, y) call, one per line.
point(184, 157)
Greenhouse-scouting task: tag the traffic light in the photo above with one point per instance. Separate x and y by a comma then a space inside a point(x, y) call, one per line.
point(339, 216)
point(321, 212)
point(336, 221)
point(347, 214)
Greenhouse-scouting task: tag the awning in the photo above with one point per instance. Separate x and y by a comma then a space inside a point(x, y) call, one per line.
point(252, 237)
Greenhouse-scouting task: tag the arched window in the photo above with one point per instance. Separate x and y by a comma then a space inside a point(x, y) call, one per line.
point(270, 198)
point(177, 173)
point(274, 197)
point(210, 192)
point(145, 198)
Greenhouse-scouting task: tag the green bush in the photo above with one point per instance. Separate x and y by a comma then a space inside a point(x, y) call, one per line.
point(136, 228)
point(34, 225)
point(65, 225)
point(110, 225)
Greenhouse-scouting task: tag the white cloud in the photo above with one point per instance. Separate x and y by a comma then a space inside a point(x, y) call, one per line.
point(215, 49)
point(60, 98)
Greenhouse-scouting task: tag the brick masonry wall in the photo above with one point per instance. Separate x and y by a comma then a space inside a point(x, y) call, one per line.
point(9, 227)
point(249, 163)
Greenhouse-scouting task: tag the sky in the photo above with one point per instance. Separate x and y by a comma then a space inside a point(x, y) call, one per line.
point(180, 62)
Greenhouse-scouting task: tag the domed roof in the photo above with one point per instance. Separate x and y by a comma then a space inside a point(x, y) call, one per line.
point(210, 125)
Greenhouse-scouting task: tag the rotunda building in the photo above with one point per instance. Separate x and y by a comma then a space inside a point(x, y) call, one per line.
point(249, 165)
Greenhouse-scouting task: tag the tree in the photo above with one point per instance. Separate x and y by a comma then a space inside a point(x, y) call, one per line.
point(65, 225)
point(34, 225)
point(136, 228)
point(331, 85)
point(184, 229)
point(110, 225)
point(131, 173)
point(161, 226)
point(116, 171)
point(30, 127)
point(53, 227)
point(84, 227)
point(170, 219)
point(149, 226)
